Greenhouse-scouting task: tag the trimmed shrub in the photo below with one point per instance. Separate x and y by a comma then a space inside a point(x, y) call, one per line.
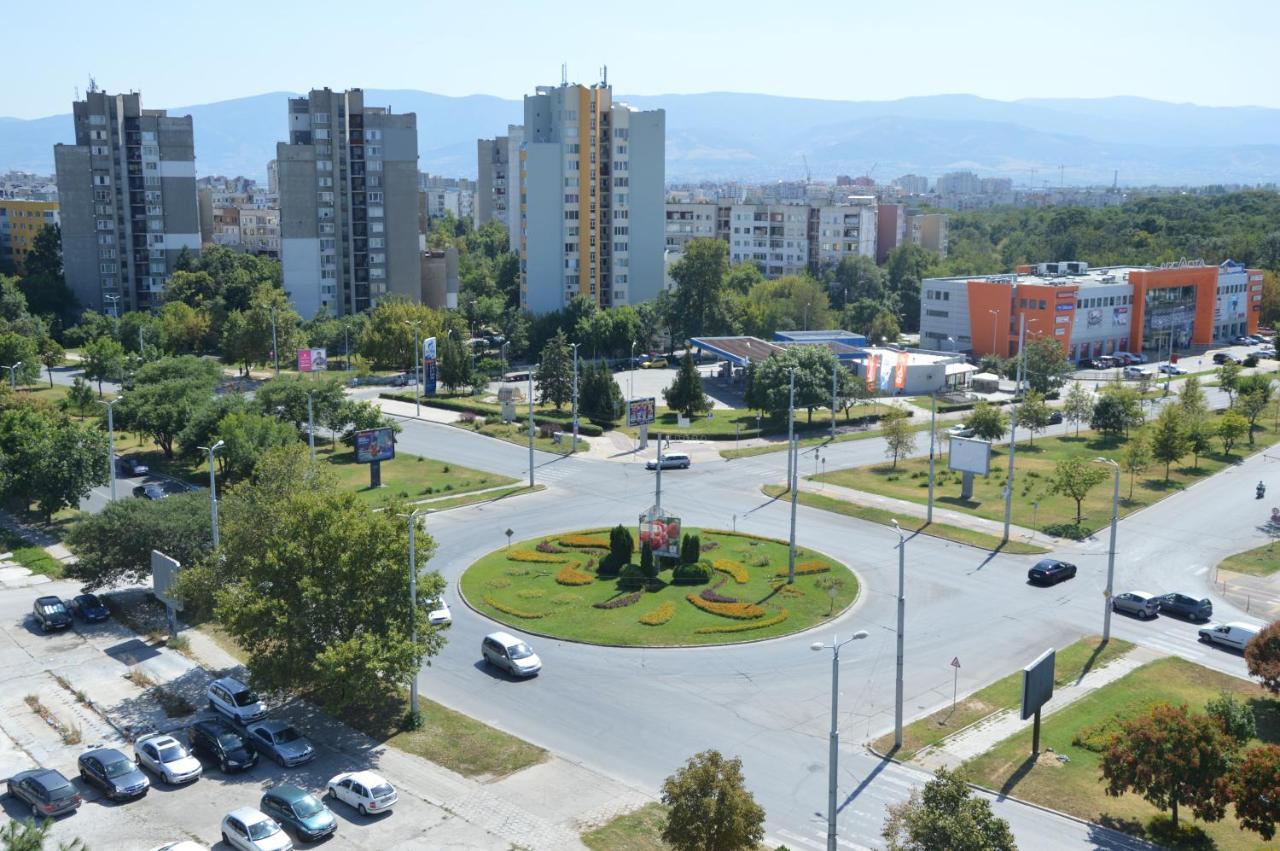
point(512, 610)
point(531, 594)
point(648, 565)
point(737, 571)
point(737, 611)
point(690, 549)
point(570, 575)
point(631, 578)
point(585, 542)
point(539, 558)
point(1098, 737)
point(744, 627)
point(690, 574)
point(619, 602)
point(660, 615)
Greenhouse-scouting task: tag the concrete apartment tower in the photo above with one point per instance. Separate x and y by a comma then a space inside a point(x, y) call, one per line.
point(592, 191)
point(348, 183)
point(127, 197)
point(498, 183)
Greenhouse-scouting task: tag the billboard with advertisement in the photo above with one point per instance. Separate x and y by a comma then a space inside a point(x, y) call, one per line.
point(375, 444)
point(429, 374)
point(661, 532)
point(970, 455)
point(642, 411)
point(312, 360)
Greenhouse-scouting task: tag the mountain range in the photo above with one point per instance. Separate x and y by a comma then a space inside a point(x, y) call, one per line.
point(722, 135)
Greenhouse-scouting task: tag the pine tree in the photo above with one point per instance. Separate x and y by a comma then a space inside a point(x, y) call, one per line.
point(555, 372)
point(685, 393)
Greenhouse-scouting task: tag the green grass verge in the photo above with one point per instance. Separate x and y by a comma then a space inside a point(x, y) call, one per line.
point(945, 531)
point(639, 830)
point(1263, 561)
point(750, 451)
point(1034, 505)
point(528, 596)
point(32, 557)
point(739, 423)
point(483, 496)
point(410, 477)
point(1074, 787)
point(518, 433)
point(1070, 663)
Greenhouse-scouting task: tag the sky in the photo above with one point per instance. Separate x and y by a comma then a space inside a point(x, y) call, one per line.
point(182, 54)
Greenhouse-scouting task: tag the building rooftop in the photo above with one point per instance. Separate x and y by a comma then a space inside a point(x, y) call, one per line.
point(1078, 274)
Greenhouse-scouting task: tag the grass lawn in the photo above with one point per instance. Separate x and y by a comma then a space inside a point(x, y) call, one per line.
point(1035, 467)
point(811, 441)
point(410, 477)
point(1263, 561)
point(729, 424)
point(1075, 786)
point(480, 496)
point(529, 594)
point(33, 558)
point(639, 830)
point(518, 433)
point(910, 524)
point(1071, 662)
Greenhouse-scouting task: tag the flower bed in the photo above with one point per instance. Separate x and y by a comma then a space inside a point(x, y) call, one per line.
point(744, 627)
point(660, 615)
point(737, 571)
point(710, 595)
point(540, 558)
point(619, 602)
point(806, 568)
point(570, 575)
point(737, 611)
point(547, 547)
point(513, 611)
point(584, 542)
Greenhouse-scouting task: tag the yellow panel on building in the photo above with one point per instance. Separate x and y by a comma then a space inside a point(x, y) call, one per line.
point(20, 221)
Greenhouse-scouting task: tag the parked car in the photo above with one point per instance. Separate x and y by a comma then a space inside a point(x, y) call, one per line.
point(1136, 372)
point(1223, 357)
point(438, 612)
point(1055, 417)
point(128, 465)
point(51, 613)
point(1105, 362)
point(222, 743)
point(281, 741)
point(151, 490)
point(656, 363)
point(1234, 635)
point(1242, 341)
point(505, 651)
point(181, 845)
point(364, 790)
point(1050, 572)
point(1266, 353)
point(1139, 603)
point(45, 791)
point(1187, 607)
point(250, 830)
point(299, 811)
point(89, 608)
point(1132, 357)
point(1172, 369)
point(235, 700)
point(1121, 358)
point(114, 773)
point(670, 461)
point(167, 758)
point(404, 379)
point(960, 430)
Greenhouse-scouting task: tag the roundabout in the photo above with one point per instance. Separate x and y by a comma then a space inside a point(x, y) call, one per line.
point(724, 588)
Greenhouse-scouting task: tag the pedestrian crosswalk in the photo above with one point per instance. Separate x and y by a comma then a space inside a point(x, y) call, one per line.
point(861, 817)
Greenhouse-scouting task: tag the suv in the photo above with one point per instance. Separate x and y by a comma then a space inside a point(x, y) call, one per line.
point(670, 461)
point(1187, 607)
point(235, 700)
point(222, 743)
point(46, 791)
point(51, 613)
point(1050, 572)
point(510, 653)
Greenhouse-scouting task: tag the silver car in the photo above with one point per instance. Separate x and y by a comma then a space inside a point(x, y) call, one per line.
point(1138, 603)
point(282, 742)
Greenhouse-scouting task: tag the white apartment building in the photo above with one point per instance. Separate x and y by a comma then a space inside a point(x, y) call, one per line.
point(498, 180)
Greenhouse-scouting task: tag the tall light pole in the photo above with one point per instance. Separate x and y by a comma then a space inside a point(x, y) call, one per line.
point(346, 342)
point(213, 488)
point(833, 754)
point(995, 325)
point(115, 305)
point(902, 625)
point(1013, 425)
point(575, 394)
point(111, 442)
point(791, 422)
point(13, 375)
point(275, 348)
point(793, 484)
point(413, 605)
point(311, 425)
point(1111, 552)
point(471, 330)
point(933, 430)
point(417, 368)
point(835, 368)
point(530, 426)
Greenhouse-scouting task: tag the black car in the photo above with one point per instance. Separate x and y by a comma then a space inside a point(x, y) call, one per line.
point(1186, 607)
point(1055, 417)
point(130, 466)
point(1223, 357)
point(89, 608)
point(222, 743)
point(46, 791)
point(51, 613)
point(150, 491)
point(1050, 572)
point(114, 773)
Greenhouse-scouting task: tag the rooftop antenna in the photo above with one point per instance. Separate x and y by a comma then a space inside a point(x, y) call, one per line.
point(1115, 179)
point(604, 75)
point(564, 73)
point(93, 85)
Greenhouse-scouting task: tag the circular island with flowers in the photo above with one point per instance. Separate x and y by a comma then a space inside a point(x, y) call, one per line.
point(660, 586)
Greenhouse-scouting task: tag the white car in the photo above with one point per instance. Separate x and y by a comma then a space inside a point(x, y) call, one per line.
point(167, 758)
point(510, 653)
point(1172, 369)
point(960, 430)
point(1234, 635)
point(364, 790)
point(251, 830)
point(438, 612)
point(182, 845)
point(235, 700)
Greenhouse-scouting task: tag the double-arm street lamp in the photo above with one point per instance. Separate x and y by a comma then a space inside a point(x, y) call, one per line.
point(213, 487)
point(1111, 551)
point(833, 757)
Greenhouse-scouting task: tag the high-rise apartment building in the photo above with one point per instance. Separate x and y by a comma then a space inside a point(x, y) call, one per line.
point(21, 220)
point(498, 186)
point(592, 175)
point(127, 197)
point(891, 229)
point(348, 185)
point(929, 230)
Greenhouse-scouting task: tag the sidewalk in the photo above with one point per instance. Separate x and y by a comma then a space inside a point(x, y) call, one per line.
point(410, 411)
point(980, 737)
point(1256, 595)
point(940, 515)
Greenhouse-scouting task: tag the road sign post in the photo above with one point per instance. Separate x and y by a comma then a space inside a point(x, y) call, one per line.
point(955, 682)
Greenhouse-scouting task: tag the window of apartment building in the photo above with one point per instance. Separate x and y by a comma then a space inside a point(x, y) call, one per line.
point(324, 213)
point(155, 239)
point(324, 197)
point(620, 230)
point(375, 227)
point(102, 195)
point(621, 214)
point(571, 215)
point(621, 132)
point(377, 242)
point(324, 150)
point(326, 182)
point(621, 181)
point(571, 197)
point(99, 150)
point(151, 166)
point(571, 165)
point(372, 135)
point(155, 210)
point(374, 165)
point(324, 165)
point(326, 228)
point(157, 267)
point(150, 151)
point(328, 273)
point(320, 133)
point(328, 260)
point(97, 119)
point(377, 273)
point(102, 180)
point(155, 225)
point(373, 150)
point(619, 246)
point(151, 180)
point(327, 244)
point(940, 314)
point(621, 165)
point(106, 267)
point(373, 181)
point(621, 150)
point(375, 212)
point(378, 258)
point(104, 224)
point(107, 253)
point(375, 197)
point(106, 238)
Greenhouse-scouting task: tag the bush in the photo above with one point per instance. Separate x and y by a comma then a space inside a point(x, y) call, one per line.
point(711, 595)
point(631, 578)
point(737, 571)
point(1098, 737)
point(540, 558)
point(547, 547)
point(805, 568)
point(570, 575)
point(619, 602)
point(648, 565)
point(690, 549)
point(621, 544)
point(1067, 530)
point(609, 567)
point(690, 574)
point(744, 627)
point(513, 611)
point(737, 611)
point(660, 615)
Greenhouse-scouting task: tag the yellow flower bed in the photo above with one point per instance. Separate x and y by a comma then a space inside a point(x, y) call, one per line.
point(514, 612)
point(584, 542)
point(743, 627)
point(737, 571)
point(738, 611)
point(540, 558)
point(787, 590)
point(806, 568)
point(660, 615)
point(570, 575)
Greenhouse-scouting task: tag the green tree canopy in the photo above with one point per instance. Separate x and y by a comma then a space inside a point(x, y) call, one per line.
point(114, 545)
point(700, 288)
point(812, 364)
point(599, 396)
point(685, 393)
point(944, 813)
point(987, 421)
point(1169, 437)
point(47, 458)
point(709, 806)
point(1074, 477)
point(554, 374)
point(387, 338)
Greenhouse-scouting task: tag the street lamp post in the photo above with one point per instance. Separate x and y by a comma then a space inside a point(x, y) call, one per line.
point(531, 427)
point(1013, 425)
point(575, 394)
point(413, 607)
point(213, 488)
point(995, 325)
point(902, 625)
point(417, 368)
point(111, 442)
point(275, 346)
point(791, 422)
point(13, 375)
point(1111, 552)
point(933, 430)
point(833, 754)
point(346, 344)
point(793, 484)
point(311, 425)
point(835, 368)
point(115, 305)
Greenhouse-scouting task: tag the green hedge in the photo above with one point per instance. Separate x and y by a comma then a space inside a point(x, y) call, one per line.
point(562, 421)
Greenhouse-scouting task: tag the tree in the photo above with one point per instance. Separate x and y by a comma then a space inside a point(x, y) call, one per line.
point(1253, 395)
point(700, 288)
point(166, 395)
point(1137, 457)
point(455, 363)
point(103, 360)
point(51, 355)
point(1077, 405)
point(620, 548)
point(247, 438)
point(1171, 758)
point(1045, 364)
point(185, 329)
point(114, 545)
point(1169, 437)
point(48, 458)
point(1033, 414)
point(709, 807)
point(29, 835)
point(1228, 378)
point(599, 397)
point(1262, 655)
point(883, 327)
point(1118, 409)
point(753, 390)
point(313, 585)
point(202, 429)
point(648, 564)
point(685, 393)
point(899, 436)
point(1074, 477)
point(1231, 427)
point(362, 416)
point(554, 374)
point(945, 814)
point(80, 397)
point(786, 303)
point(1253, 790)
point(1235, 718)
point(690, 549)
point(855, 278)
point(1200, 432)
point(987, 421)
point(286, 397)
point(1192, 399)
point(812, 364)
point(22, 351)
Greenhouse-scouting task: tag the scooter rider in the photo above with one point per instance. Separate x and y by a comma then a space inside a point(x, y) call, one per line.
point(1262, 490)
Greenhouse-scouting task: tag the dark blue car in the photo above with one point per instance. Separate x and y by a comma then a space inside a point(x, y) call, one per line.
point(89, 608)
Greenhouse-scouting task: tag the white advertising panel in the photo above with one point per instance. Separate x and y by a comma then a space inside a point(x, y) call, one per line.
point(969, 455)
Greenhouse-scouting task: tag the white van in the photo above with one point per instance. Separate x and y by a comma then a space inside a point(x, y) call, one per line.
point(1233, 635)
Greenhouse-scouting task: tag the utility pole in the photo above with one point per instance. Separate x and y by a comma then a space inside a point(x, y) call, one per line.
point(575, 394)
point(1111, 551)
point(835, 368)
point(1013, 426)
point(791, 422)
point(413, 607)
point(531, 426)
point(793, 450)
point(933, 430)
point(111, 442)
point(833, 748)
point(902, 625)
point(311, 425)
point(13, 375)
point(657, 494)
point(346, 343)
point(213, 488)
